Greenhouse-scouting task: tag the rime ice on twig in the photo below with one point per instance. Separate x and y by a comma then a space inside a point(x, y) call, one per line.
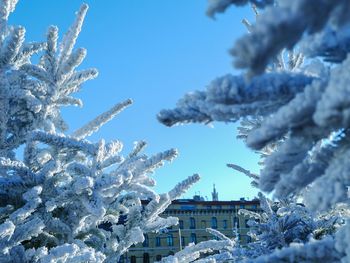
point(70, 199)
point(294, 112)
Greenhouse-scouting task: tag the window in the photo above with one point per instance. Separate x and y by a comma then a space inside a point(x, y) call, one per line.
point(249, 239)
point(241, 206)
point(203, 224)
point(208, 206)
point(158, 257)
point(181, 224)
point(193, 238)
point(192, 223)
point(183, 241)
point(121, 259)
point(236, 222)
point(145, 258)
point(214, 223)
point(225, 224)
point(170, 240)
point(158, 242)
point(146, 241)
point(133, 259)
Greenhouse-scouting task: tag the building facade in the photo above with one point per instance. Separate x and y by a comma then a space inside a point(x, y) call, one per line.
point(195, 215)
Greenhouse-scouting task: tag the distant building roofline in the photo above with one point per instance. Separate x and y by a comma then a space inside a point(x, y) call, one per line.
point(202, 202)
point(232, 202)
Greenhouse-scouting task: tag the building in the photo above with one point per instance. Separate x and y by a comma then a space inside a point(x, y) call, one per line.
point(195, 215)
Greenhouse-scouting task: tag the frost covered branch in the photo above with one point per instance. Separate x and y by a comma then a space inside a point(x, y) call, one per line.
point(67, 199)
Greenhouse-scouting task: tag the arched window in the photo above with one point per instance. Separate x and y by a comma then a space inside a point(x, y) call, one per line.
point(146, 241)
point(192, 223)
point(133, 259)
point(158, 257)
point(203, 224)
point(214, 223)
point(145, 258)
point(170, 240)
point(193, 238)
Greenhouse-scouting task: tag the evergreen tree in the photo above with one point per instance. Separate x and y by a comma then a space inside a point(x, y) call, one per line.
point(67, 199)
point(284, 231)
point(294, 108)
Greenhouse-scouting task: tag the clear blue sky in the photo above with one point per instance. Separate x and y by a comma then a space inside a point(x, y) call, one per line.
point(154, 52)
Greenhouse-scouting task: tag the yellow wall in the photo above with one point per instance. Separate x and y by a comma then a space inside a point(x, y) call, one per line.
point(202, 212)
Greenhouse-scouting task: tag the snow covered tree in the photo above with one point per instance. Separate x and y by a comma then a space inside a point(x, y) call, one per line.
point(281, 225)
point(294, 106)
point(193, 252)
point(65, 198)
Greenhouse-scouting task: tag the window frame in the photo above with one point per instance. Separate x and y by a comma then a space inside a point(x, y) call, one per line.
point(181, 224)
point(214, 222)
point(158, 242)
point(193, 238)
point(170, 240)
point(192, 223)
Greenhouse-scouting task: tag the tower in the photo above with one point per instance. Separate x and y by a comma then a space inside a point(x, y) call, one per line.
point(214, 194)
